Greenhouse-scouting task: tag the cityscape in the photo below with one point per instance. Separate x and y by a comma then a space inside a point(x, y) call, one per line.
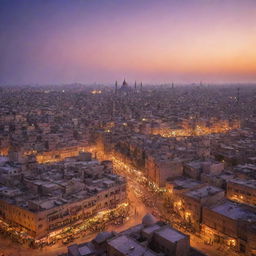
point(152, 152)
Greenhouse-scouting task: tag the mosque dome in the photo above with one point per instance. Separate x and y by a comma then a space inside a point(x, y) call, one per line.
point(102, 236)
point(149, 220)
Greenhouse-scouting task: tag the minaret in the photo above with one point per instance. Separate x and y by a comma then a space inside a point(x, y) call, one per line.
point(113, 108)
point(141, 86)
point(116, 87)
point(238, 95)
point(172, 85)
point(238, 105)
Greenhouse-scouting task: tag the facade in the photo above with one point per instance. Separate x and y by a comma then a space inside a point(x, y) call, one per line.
point(159, 170)
point(230, 224)
point(243, 191)
point(195, 169)
point(190, 204)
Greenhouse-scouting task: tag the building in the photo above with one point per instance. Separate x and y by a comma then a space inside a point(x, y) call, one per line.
point(242, 191)
point(150, 238)
point(176, 188)
point(124, 89)
point(232, 225)
point(196, 168)
point(189, 205)
point(158, 170)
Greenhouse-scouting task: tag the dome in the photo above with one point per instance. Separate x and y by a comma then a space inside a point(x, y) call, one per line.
point(149, 220)
point(102, 236)
point(125, 83)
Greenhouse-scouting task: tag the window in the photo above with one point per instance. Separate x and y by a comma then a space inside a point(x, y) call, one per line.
point(242, 248)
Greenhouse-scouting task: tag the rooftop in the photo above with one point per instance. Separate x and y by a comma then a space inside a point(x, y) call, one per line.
point(170, 234)
point(203, 192)
point(247, 183)
point(128, 246)
point(60, 183)
point(184, 183)
point(235, 211)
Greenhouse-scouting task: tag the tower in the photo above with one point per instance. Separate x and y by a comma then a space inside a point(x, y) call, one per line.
point(113, 108)
point(135, 86)
point(141, 86)
point(238, 95)
point(116, 87)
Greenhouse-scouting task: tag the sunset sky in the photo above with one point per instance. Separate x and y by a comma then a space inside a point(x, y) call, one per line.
point(155, 41)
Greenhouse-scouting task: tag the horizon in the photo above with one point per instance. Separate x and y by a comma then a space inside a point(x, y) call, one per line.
point(130, 84)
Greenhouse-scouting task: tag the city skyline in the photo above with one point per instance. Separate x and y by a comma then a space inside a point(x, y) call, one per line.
point(103, 41)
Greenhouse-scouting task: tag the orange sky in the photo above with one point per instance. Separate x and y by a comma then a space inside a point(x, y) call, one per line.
point(150, 40)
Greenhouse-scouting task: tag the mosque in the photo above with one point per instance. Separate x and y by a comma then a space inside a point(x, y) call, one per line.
point(125, 88)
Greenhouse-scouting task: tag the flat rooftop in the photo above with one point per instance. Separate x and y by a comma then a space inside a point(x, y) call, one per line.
point(170, 234)
point(151, 229)
point(195, 164)
point(184, 183)
point(203, 192)
point(130, 247)
point(247, 183)
point(235, 211)
point(60, 183)
point(246, 166)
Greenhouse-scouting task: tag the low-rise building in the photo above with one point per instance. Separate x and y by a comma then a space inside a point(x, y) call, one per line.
point(61, 194)
point(231, 224)
point(177, 187)
point(159, 170)
point(196, 168)
point(190, 204)
point(243, 191)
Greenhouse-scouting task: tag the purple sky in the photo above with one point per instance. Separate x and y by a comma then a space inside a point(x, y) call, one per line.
point(61, 41)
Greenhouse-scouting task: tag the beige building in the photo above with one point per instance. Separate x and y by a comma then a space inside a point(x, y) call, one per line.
point(159, 170)
point(243, 191)
point(195, 169)
point(231, 224)
point(189, 205)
